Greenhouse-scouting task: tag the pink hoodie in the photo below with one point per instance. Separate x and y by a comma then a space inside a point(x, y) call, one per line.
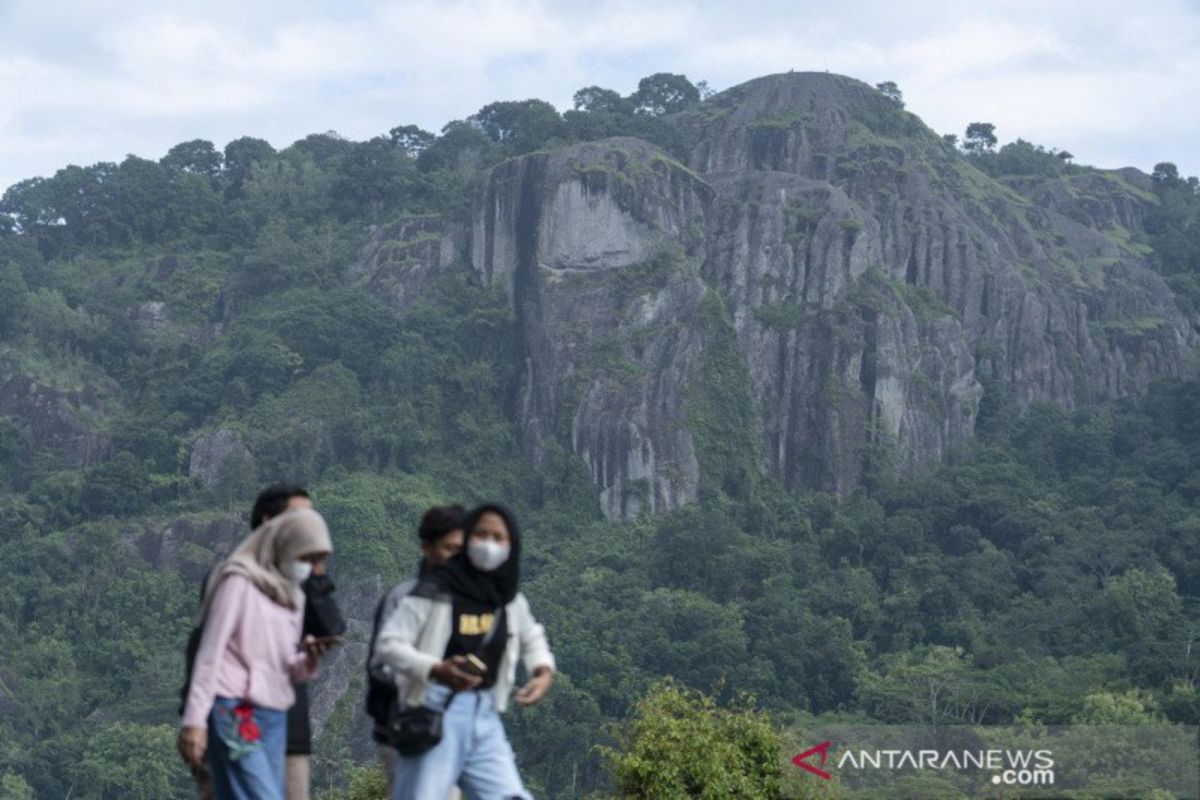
point(248, 652)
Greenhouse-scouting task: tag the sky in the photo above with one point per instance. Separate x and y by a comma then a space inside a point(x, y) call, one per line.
point(1116, 83)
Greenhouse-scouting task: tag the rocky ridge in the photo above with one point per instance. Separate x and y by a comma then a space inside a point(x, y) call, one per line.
point(871, 279)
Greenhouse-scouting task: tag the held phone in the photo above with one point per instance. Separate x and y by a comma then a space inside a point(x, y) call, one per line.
point(475, 665)
point(328, 641)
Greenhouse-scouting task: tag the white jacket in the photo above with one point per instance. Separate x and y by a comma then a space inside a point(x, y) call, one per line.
point(414, 638)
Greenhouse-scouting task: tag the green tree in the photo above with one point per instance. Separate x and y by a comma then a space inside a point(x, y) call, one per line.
point(520, 126)
point(597, 98)
point(558, 738)
point(410, 139)
point(1181, 703)
point(461, 146)
point(362, 783)
point(664, 93)
point(14, 787)
point(14, 298)
point(1023, 158)
point(891, 91)
point(13, 444)
point(372, 179)
point(291, 186)
point(933, 686)
point(252, 362)
point(1173, 225)
point(1140, 613)
point(309, 426)
point(1165, 173)
point(126, 761)
point(680, 743)
point(116, 487)
point(325, 149)
point(198, 157)
point(240, 156)
point(27, 206)
point(980, 137)
point(1133, 707)
point(143, 198)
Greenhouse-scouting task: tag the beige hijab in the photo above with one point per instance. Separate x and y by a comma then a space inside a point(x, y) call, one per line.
point(261, 556)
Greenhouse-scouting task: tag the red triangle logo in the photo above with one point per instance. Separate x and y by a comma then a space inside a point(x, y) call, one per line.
point(800, 760)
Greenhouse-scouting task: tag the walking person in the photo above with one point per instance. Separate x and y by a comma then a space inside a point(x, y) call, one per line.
point(456, 640)
point(322, 619)
point(441, 535)
point(248, 657)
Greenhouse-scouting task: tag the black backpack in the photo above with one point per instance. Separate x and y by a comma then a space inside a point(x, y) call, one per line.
point(382, 694)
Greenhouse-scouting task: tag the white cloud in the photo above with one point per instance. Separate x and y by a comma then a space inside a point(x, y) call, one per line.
point(87, 83)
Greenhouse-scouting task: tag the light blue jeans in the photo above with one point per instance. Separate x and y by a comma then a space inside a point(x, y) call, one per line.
point(474, 753)
point(255, 775)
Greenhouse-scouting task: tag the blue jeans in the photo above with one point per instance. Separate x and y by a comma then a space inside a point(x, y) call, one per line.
point(474, 753)
point(241, 770)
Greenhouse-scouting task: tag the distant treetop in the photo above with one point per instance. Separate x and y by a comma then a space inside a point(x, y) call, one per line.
point(891, 91)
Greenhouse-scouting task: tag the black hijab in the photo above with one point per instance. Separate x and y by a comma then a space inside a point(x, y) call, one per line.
point(460, 578)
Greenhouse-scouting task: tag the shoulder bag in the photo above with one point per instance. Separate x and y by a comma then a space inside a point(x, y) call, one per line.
point(414, 730)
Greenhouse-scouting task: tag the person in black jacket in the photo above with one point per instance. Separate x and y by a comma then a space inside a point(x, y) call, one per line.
point(441, 535)
point(322, 617)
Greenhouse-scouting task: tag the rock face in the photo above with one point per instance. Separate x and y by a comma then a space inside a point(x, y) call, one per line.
point(401, 258)
point(870, 278)
point(60, 420)
point(215, 454)
point(875, 276)
point(192, 546)
point(599, 245)
point(152, 316)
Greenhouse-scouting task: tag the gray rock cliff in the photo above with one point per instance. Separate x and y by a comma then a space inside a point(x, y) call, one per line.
point(869, 275)
point(876, 276)
point(218, 455)
point(600, 245)
point(64, 420)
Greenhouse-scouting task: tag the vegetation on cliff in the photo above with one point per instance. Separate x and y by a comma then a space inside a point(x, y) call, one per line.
point(1052, 570)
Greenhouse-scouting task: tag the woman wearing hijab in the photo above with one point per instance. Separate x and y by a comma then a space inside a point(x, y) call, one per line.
point(469, 610)
point(241, 688)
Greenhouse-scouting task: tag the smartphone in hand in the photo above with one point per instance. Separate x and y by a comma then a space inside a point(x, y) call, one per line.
point(475, 665)
point(325, 642)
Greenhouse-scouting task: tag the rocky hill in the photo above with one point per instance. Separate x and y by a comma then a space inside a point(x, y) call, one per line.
point(822, 254)
point(700, 309)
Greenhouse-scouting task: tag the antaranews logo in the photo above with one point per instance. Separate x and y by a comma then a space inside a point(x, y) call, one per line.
point(1009, 767)
point(800, 759)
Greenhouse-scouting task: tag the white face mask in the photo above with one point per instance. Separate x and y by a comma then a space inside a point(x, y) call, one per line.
point(487, 554)
point(297, 571)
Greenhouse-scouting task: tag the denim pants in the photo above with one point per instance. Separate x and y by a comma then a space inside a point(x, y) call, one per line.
point(474, 753)
point(256, 772)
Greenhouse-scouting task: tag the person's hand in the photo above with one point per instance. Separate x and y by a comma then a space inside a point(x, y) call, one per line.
point(536, 688)
point(192, 744)
point(315, 650)
point(452, 673)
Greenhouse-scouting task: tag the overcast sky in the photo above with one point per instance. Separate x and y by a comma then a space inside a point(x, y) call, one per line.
point(1116, 83)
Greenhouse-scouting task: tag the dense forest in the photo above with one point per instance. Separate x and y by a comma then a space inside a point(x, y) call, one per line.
point(1050, 572)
